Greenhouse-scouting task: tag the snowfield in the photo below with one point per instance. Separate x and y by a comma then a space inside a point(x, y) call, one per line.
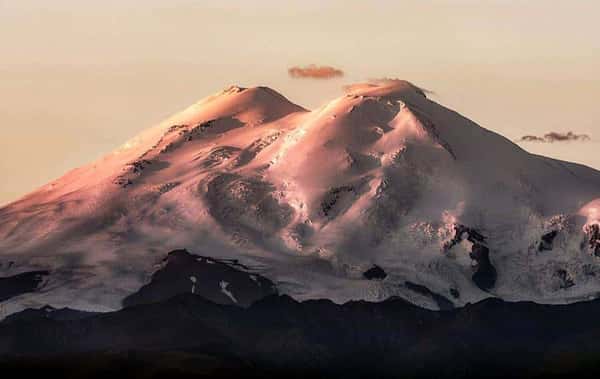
point(381, 176)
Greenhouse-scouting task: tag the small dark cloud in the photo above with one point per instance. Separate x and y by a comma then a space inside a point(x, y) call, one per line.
point(529, 138)
point(315, 72)
point(570, 136)
point(555, 137)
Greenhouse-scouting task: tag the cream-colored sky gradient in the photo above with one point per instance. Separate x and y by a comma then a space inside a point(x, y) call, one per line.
point(78, 78)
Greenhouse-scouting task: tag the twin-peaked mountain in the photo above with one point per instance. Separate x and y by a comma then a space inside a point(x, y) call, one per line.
point(380, 192)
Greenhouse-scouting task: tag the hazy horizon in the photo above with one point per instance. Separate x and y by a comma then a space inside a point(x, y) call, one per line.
point(79, 79)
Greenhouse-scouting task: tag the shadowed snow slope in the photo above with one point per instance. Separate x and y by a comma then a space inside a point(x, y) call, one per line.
point(312, 200)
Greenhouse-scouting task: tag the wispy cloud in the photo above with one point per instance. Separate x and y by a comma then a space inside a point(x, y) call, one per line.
point(315, 72)
point(555, 137)
point(386, 83)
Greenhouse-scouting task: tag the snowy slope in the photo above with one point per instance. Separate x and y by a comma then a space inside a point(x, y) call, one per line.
point(311, 200)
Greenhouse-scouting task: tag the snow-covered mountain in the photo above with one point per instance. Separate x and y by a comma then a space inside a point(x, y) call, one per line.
point(381, 192)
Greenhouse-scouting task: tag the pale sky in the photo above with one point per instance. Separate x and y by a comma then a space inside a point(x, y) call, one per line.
point(79, 78)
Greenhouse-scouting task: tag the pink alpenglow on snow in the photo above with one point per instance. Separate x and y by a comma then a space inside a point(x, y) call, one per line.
point(380, 176)
point(591, 212)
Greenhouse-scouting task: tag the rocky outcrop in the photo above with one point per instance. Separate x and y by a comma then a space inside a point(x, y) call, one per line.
point(593, 232)
point(485, 273)
point(375, 273)
point(218, 155)
point(547, 241)
point(223, 282)
point(462, 232)
point(22, 283)
point(250, 152)
point(565, 279)
point(332, 197)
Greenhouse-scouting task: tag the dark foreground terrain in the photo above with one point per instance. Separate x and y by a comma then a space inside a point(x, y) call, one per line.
point(188, 336)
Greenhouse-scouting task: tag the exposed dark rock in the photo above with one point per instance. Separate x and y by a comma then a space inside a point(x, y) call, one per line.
point(547, 241)
point(217, 126)
point(137, 168)
point(462, 232)
point(474, 236)
point(164, 188)
point(21, 283)
point(220, 281)
point(485, 274)
point(332, 197)
point(250, 152)
point(199, 129)
point(139, 165)
point(594, 238)
point(442, 302)
point(565, 279)
point(123, 182)
point(219, 155)
point(175, 128)
point(186, 133)
point(455, 293)
point(375, 273)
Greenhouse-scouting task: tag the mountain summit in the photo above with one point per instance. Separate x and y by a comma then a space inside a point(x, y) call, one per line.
point(381, 192)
